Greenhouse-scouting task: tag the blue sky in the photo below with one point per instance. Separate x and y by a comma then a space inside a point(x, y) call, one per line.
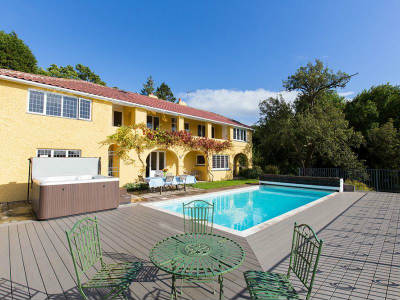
point(223, 56)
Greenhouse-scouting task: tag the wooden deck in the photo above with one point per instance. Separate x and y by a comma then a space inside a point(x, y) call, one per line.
point(360, 257)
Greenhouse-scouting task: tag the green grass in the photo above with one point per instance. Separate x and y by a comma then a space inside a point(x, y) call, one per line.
point(224, 183)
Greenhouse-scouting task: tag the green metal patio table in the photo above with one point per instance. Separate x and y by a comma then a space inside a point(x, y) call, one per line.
point(197, 257)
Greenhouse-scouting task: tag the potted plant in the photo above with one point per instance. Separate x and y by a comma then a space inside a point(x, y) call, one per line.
point(165, 170)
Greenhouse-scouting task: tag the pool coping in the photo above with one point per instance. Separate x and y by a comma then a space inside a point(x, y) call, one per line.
point(249, 231)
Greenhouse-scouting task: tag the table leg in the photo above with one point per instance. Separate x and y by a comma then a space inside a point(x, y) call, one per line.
point(173, 288)
point(221, 287)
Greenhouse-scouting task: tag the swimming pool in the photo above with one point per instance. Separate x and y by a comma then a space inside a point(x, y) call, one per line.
point(240, 210)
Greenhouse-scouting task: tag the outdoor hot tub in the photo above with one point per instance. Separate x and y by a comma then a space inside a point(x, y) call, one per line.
point(69, 186)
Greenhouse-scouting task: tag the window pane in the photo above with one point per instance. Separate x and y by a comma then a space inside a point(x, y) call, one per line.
point(53, 105)
point(173, 124)
point(161, 160)
point(187, 127)
point(213, 132)
point(44, 153)
point(70, 107)
point(74, 153)
point(150, 122)
point(117, 118)
point(36, 101)
point(60, 153)
point(84, 109)
point(153, 160)
point(200, 160)
point(156, 123)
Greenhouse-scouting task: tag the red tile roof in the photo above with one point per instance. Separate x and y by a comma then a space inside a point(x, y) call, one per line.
point(113, 93)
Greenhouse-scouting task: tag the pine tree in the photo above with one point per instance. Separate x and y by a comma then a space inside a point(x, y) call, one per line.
point(148, 86)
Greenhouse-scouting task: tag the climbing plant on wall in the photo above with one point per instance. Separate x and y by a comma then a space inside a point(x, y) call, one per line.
point(140, 138)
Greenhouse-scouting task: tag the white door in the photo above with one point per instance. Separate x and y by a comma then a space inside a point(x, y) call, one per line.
point(156, 162)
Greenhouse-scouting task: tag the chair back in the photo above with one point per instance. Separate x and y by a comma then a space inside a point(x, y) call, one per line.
point(169, 179)
point(84, 245)
point(304, 256)
point(182, 178)
point(158, 173)
point(198, 217)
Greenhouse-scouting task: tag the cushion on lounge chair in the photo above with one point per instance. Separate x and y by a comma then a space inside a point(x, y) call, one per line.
point(267, 285)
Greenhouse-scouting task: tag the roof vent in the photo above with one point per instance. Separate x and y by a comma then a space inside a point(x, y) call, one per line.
point(153, 96)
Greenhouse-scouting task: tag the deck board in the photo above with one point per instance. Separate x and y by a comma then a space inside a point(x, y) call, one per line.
point(360, 257)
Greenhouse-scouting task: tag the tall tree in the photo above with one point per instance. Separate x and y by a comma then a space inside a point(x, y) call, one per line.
point(148, 86)
point(79, 72)
point(15, 54)
point(311, 131)
point(374, 107)
point(314, 80)
point(164, 92)
point(384, 146)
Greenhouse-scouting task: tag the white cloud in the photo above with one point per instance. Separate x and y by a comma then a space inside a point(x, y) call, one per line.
point(236, 104)
point(346, 94)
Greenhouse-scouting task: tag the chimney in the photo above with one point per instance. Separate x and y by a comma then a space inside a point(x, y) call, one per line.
point(153, 96)
point(181, 102)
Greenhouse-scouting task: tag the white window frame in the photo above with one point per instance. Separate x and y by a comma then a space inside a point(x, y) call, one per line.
point(239, 134)
point(225, 159)
point(119, 109)
point(203, 130)
point(188, 126)
point(52, 152)
point(197, 164)
point(43, 113)
point(174, 121)
point(152, 122)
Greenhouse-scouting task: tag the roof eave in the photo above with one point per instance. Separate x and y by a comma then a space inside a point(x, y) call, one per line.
point(116, 101)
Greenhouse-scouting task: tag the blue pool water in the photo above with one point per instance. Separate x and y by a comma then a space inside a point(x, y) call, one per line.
point(243, 210)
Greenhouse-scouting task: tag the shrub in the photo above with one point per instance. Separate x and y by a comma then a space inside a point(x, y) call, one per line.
point(271, 169)
point(253, 173)
point(359, 186)
point(132, 187)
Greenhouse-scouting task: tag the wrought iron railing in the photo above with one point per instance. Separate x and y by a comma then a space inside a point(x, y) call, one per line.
point(380, 180)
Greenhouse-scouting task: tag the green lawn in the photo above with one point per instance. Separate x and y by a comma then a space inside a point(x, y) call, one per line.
point(224, 183)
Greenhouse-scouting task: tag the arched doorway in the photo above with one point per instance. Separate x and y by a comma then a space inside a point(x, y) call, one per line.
point(194, 163)
point(158, 160)
point(240, 161)
point(113, 161)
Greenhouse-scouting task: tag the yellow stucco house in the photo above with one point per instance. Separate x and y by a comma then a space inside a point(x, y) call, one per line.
point(55, 117)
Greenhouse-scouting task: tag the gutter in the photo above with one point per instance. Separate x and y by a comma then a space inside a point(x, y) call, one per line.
point(116, 101)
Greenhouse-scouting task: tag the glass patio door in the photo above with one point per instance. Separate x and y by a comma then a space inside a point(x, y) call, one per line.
point(156, 162)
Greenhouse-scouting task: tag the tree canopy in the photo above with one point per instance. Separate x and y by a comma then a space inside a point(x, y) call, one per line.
point(148, 87)
point(15, 54)
point(164, 92)
point(313, 131)
point(314, 80)
point(79, 72)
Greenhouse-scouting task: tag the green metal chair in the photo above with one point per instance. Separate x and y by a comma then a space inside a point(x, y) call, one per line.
point(198, 217)
point(304, 257)
point(87, 255)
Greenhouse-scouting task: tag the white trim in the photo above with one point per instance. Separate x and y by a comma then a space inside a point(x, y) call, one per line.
point(116, 101)
point(246, 232)
point(310, 186)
